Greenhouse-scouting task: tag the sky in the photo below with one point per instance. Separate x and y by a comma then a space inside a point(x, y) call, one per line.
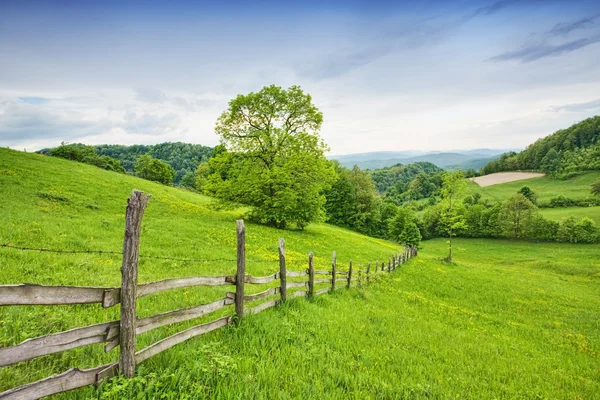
point(388, 76)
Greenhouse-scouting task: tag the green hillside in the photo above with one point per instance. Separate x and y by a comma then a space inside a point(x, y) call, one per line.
point(545, 187)
point(509, 319)
point(559, 214)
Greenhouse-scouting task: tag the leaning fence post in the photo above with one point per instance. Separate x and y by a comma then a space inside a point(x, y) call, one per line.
point(240, 276)
point(136, 205)
point(311, 275)
point(368, 270)
point(333, 271)
point(349, 276)
point(282, 271)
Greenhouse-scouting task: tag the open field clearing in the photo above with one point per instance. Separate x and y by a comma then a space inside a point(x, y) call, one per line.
point(504, 177)
point(545, 187)
point(558, 214)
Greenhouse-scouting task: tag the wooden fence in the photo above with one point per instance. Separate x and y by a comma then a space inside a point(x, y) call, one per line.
point(124, 331)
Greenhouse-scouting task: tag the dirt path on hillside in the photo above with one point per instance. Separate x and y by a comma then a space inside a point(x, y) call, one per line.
point(503, 177)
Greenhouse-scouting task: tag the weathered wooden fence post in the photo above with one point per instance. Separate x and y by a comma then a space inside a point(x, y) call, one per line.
point(389, 265)
point(282, 271)
point(240, 276)
point(368, 270)
point(311, 274)
point(376, 265)
point(349, 276)
point(333, 271)
point(129, 277)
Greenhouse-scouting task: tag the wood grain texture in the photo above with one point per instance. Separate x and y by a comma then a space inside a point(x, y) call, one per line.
point(296, 274)
point(311, 274)
point(30, 294)
point(291, 285)
point(68, 380)
point(322, 281)
point(129, 279)
point(56, 342)
point(145, 289)
point(261, 295)
point(263, 279)
point(180, 337)
point(349, 280)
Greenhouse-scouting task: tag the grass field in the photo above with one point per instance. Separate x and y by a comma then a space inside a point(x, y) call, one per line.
point(544, 187)
point(507, 320)
point(558, 214)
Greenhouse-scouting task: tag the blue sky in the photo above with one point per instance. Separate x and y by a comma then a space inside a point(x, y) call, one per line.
point(429, 75)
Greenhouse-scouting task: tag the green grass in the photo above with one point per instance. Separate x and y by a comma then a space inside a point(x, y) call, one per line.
point(507, 320)
point(558, 214)
point(545, 188)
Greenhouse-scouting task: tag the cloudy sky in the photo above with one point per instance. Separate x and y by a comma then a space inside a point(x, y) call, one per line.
point(425, 75)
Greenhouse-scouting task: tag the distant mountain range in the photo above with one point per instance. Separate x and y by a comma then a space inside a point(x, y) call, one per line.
point(463, 159)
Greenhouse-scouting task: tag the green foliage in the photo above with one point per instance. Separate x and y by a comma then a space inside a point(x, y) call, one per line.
point(201, 174)
point(565, 153)
point(403, 183)
point(188, 180)
point(85, 154)
point(183, 157)
point(410, 236)
point(276, 162)
point(528, 193)
point(516, 216)
point(154, 169)
point(452, 218)
point(596, 188)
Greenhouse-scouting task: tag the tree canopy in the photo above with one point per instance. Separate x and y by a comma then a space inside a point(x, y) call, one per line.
point(274, 159)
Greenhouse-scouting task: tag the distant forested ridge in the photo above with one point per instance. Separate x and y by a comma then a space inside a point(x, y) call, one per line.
point(402, 183)
point(564, 153)
point(183, 157)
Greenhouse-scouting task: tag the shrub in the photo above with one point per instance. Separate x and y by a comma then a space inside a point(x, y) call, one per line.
point(585, 231)
point(154, 169)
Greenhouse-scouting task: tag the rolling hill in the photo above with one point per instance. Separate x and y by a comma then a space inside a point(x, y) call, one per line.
point(514, 312)
point(463, 159)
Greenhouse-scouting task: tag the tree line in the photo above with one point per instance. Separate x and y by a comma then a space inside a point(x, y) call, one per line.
point(563, 154)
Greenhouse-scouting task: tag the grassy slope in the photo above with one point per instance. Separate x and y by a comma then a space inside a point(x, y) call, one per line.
point(544, 187)
point(558, 214)
point(508, 320)
point(55, 203)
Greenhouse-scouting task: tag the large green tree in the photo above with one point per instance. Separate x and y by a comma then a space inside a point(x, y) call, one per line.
point(154, 169)
point(275, 159)
point(517, 216)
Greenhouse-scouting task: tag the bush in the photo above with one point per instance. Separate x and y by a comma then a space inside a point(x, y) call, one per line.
point(585, 231)
point(154, 169)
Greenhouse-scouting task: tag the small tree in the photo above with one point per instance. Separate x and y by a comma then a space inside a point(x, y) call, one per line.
point(527, 192)
point(153, 169)
point(452, 217)
point(596, 188)
point(201, 174)
point(516, 216)
point(410, 236)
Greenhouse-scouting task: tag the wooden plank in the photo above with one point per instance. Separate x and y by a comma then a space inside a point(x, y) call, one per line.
point(261, 295)
point(145, 289)
point(322, 291)
point(262, 279)
point(241, 268)
point(296, 274)
point(173, 317)
point(282, 270)
point(55, 343)
point(68, 380)
point(296, 284)
point(340, 287)
point(30, 294)
point(180, 337)
point(341, 280)
point(129, 280)
point(262, 306)
point(322, 272)
point(322, 281)
point(343, 273)
point(299, 293)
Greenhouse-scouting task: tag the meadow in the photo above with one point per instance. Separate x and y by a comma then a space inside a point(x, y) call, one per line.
point(508, 319)
point(545, 187)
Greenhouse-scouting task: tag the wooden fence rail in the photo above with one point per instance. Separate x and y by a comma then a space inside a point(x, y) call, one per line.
point(124, 331)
